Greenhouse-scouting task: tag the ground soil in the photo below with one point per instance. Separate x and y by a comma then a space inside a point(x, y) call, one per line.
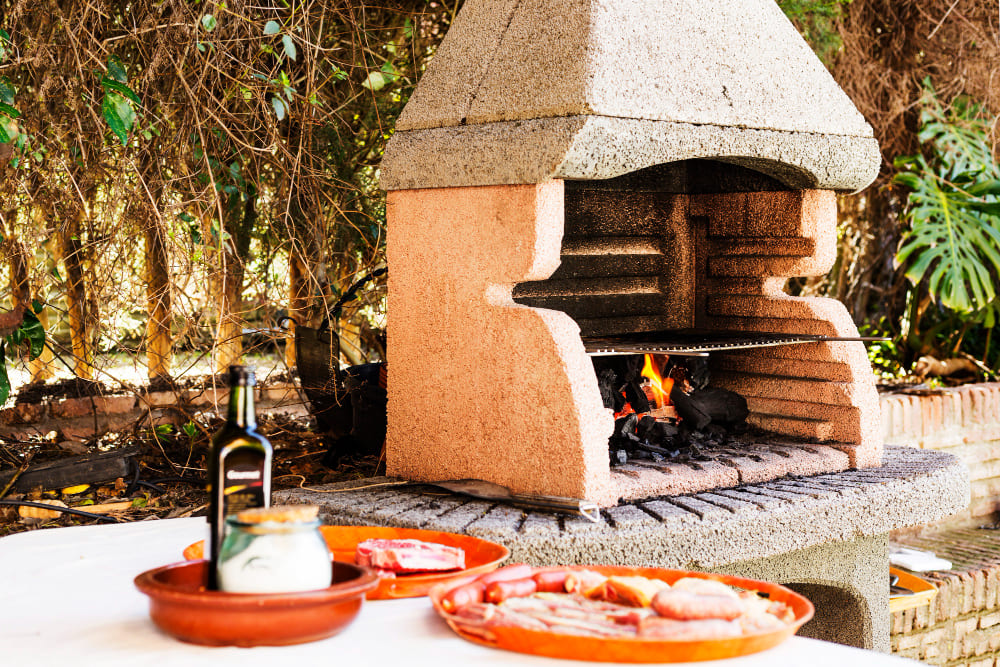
point(172, 471)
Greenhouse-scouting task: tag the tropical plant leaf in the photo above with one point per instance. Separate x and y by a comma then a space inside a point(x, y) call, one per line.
point(109, 109)
point(953, 209)
point(116, 70)
point(279, 107)
point(33, 332)
point(7, 91)
point(121, 88)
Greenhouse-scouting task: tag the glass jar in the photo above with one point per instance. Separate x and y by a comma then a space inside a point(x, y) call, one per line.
point(274, 550)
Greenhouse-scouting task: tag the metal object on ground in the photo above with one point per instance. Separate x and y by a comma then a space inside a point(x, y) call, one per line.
point(484, 490)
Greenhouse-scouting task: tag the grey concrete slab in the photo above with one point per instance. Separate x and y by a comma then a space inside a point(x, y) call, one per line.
point(739, 64)
point(827, 536)
point(522, 92)
point(597, 147)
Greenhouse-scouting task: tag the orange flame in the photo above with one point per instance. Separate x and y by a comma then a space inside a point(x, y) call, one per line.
point(660, 386)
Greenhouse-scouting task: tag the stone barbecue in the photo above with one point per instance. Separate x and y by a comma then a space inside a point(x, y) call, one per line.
point(580, 178)
point(567, 171)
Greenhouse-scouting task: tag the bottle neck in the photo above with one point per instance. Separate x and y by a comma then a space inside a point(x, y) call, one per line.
point(241, 410)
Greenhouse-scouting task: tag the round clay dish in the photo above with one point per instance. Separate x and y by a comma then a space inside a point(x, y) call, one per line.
point(180, 606)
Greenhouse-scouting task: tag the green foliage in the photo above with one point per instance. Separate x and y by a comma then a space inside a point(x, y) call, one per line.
point(885, 356)
point(29, 334)
point(120, 101)
point(953, 209)
point(816, 20)
point(5, 44)
point(950, 249)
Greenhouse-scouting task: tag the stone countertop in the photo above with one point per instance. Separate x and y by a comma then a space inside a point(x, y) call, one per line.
point(702, 530)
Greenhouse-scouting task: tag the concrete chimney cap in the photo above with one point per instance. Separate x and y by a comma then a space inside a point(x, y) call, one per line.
point(523, 91)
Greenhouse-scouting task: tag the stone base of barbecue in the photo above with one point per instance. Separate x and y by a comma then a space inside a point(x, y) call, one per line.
point(825, 536)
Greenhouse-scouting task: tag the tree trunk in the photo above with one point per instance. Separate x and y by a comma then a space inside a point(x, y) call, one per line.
point(229, 336)
point(233, 255)
point(298, 301)
point(18, 258)
point(80, 322)
point(159, 343)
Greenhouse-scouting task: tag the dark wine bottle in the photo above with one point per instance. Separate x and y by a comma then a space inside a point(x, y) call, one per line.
point(239, 470)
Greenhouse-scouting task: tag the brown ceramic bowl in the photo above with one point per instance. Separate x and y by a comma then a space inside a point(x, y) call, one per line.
point(180, 606)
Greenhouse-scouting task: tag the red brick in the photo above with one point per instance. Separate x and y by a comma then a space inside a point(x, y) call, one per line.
point(989, 620)
point(930, 413)
point(979, 589)
point(896, 626)
point(114, 405)
point(68, 408)
point(22, 413)
point(157, 399)
point(929, 653)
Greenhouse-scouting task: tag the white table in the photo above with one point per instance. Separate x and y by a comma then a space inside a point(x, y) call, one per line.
point(67, 598)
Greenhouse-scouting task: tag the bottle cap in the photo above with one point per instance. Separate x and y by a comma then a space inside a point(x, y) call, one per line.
point(241, 376)
point(279, 514)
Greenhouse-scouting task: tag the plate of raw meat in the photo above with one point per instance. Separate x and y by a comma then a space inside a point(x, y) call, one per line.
point(409, 561)
point(620, 614)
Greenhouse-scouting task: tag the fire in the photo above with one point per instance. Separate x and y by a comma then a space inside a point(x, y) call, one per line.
point(660, 386)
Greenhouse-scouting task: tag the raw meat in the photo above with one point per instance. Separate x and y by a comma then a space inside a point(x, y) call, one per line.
point(406, 556)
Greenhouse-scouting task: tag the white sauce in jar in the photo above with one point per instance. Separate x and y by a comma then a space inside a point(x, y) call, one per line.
point(283, 556)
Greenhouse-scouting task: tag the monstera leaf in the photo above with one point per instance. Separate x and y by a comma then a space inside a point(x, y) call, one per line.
point(953, 210)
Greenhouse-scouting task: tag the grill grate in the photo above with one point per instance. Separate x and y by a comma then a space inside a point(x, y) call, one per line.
point(689, 342)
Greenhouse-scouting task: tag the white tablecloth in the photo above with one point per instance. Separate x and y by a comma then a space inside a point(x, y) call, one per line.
point(67, 598)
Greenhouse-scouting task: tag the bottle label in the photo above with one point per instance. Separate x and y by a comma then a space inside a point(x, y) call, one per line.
point(243, 488)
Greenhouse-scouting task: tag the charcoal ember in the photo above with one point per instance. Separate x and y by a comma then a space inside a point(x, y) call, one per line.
point(625, 426)
point(712, 404)
point(607, 382)
point(631, 369)
point(646, 429)
point(636, 397)
point(621, 456)
point(696, 370)
point(619, 400)
point(664, 433)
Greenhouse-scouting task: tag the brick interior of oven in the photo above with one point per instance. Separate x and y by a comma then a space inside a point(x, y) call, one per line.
point(696, 245)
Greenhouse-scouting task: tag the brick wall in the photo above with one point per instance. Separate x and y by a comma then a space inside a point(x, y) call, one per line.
point(82, 418)
point(961, 627)
point(964, 421)
point(962, 624)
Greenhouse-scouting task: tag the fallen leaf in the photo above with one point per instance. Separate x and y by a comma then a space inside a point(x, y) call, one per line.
point(34, 515)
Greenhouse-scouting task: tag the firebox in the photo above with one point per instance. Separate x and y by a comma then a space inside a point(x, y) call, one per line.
point(573, 180)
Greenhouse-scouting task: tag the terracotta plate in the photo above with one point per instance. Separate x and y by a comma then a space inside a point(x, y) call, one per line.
point(599, 649)
point(480, 556)
point(180, 606)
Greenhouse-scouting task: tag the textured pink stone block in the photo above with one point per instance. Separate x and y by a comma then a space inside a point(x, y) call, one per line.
point(481, 386)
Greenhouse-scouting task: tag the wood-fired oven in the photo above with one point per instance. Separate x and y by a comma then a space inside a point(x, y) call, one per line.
point(573, 179)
